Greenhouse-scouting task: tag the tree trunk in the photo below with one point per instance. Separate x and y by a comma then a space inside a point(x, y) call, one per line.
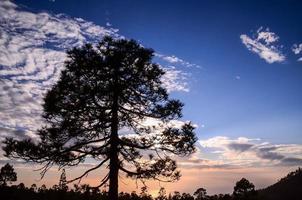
point(114, 161)
point(114, 164)
point(113, 174)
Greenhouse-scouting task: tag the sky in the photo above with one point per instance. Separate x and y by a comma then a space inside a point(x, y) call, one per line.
point(236, 65)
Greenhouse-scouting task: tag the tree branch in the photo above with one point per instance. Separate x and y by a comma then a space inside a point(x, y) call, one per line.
point(87, 172)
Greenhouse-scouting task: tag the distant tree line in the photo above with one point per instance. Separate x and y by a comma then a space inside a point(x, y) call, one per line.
point(243, 190)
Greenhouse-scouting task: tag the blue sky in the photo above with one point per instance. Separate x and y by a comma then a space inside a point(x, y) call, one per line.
point(234, 64)
point(208, 33)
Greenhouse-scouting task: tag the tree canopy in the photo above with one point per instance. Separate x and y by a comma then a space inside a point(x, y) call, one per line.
point(99, 108)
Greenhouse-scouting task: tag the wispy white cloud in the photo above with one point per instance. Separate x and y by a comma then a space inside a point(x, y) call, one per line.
point(267, 36)
point(171, 59)
point(263, 43)
point(297, 49)
point(175, 80)
point(176, 60)
point(32, 49)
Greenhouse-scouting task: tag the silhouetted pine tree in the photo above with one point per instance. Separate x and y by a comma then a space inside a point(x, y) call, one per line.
point(102, 91)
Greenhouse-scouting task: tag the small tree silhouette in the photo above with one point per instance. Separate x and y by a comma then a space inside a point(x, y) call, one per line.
point(144, 195)
point(186, 196)
point(176, 196)
point(161, 194)
point(7, 175)
point(104, 91)
point(34, 187)
point(42, 189)
point(201, 194)
point(63, 182)
point(244, 190)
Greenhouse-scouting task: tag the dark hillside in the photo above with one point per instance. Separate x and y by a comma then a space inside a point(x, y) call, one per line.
point(289, 187)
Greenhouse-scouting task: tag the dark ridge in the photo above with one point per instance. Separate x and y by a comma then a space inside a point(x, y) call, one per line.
point(289, 187)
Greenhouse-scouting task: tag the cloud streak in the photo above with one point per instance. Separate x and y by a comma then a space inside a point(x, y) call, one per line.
point(263, 43)
point(243, 151)
point(176, 60)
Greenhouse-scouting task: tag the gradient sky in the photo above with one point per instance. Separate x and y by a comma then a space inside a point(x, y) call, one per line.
point(237, 66)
